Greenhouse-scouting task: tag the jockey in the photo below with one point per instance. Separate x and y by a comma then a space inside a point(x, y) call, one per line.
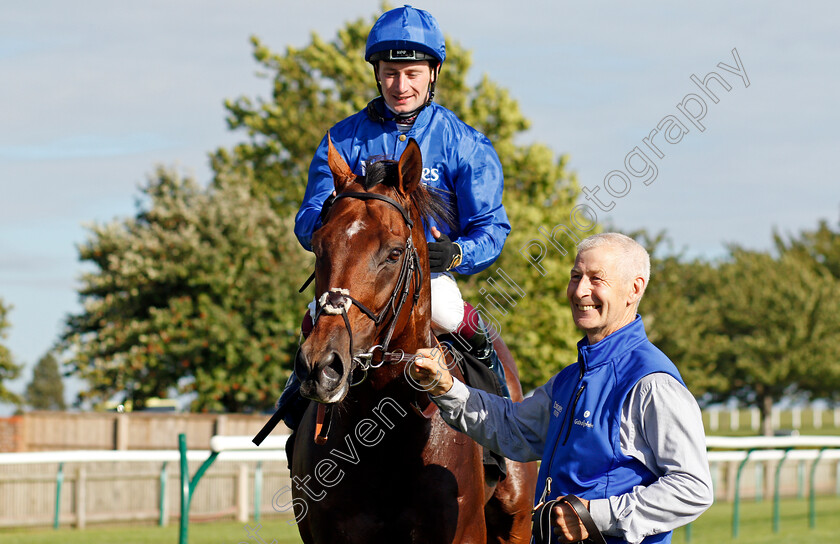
point(406, 49)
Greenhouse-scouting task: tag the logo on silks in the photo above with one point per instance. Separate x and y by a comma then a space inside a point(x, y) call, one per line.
point(430, 174)
point(585, 421)
point(557, 409)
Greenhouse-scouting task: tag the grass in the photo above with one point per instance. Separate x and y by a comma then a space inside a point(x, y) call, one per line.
point(199, 533)
point(713, 527)
point(756, 527)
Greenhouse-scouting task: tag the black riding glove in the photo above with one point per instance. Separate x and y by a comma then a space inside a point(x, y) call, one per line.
point(326, 208)
point(444, 254)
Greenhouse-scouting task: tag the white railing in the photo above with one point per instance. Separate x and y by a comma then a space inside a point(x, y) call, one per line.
point(763, 449)
point(87, 475)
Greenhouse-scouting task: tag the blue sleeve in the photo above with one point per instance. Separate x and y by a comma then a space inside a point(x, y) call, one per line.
point(319, 186)
point(483, 222)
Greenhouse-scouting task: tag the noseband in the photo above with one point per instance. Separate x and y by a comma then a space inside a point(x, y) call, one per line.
point(337, 301)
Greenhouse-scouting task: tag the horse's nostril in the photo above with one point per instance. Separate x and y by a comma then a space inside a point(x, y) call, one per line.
point(301, 368)
point(331, 373)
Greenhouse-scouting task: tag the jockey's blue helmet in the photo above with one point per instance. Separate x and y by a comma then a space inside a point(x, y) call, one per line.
point(406, 34)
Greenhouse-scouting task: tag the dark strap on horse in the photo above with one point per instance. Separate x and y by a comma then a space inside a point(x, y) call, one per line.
point(376, 196)
point(307, 282)
point(323, 422)
point(541, 519)
point(365, 196)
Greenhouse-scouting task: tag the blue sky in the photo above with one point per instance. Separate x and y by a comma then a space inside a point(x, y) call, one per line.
point(95, 94)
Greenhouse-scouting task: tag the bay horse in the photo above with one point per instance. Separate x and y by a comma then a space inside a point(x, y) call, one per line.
point(373, 460)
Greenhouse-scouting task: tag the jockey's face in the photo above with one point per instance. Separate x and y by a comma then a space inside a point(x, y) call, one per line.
point(405, 85)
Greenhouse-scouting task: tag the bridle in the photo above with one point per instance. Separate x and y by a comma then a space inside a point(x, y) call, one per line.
point(337, 301)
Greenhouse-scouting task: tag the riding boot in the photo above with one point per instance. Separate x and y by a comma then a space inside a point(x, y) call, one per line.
point(481, 347)
point(472, 336)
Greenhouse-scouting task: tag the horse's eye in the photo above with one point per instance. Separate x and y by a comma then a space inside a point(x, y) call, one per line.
point(394, 256)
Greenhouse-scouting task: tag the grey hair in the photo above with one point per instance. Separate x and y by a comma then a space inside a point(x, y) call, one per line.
point(633, 261)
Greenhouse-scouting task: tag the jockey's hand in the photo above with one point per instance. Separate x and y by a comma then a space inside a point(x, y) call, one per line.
point(567, 524)
point(444, 254)
point(429, 372)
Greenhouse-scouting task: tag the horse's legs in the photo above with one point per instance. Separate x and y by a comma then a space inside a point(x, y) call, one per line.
point(508, 512)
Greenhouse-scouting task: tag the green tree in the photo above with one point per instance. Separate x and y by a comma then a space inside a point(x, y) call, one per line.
point(754, 327)
point(679, 311)
point(780, 329)
point(820, 247)
point(190, 296)
point(314, 87)
point(8, 369)
point(46, 390)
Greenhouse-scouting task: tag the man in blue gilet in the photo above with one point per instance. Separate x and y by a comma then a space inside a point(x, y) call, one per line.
point(618, 429)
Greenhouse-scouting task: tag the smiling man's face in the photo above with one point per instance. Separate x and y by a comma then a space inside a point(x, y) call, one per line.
point(602, 299)
point(405, 85)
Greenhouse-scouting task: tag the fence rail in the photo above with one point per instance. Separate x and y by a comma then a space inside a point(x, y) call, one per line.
point(81, 487)
point(774, 450)
point(748, 419)
point(58, 431)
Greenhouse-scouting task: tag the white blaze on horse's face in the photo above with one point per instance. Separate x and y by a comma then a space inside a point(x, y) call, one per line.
point(355, 228)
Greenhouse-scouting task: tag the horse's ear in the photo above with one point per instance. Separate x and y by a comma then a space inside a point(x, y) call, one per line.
point(411, 168)
point(342, 175)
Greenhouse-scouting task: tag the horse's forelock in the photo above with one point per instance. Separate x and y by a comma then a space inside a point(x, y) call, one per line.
point(382, 171)
point(429, 201)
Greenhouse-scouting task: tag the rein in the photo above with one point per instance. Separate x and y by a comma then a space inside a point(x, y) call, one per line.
point(337, 301)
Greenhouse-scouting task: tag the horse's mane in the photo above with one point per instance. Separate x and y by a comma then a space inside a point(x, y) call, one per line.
point(429, 201)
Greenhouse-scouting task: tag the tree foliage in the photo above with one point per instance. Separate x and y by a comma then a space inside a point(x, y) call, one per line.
point(318, 85)
point(189, 296)
point(753, 326)
point(8, 369)
point(820, 247)
point(46, 390)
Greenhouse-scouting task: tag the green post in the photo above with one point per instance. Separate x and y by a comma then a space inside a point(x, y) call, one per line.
point(162, 500)
point(188, 485)
point(185, 489)
point(800, 480)
point(59, 479)
point(736, 508)
point(776, 483)
point(812, 494)
point(258, 480)
point(688, 533)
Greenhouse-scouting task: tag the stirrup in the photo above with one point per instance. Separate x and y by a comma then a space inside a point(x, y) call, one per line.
point(495, 364)
point(484, 350)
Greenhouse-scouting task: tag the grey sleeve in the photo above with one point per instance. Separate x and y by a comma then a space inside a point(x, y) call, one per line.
point(663, 428)
point(516, 430)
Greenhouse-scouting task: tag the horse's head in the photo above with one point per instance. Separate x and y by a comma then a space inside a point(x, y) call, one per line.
point(371, 273)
